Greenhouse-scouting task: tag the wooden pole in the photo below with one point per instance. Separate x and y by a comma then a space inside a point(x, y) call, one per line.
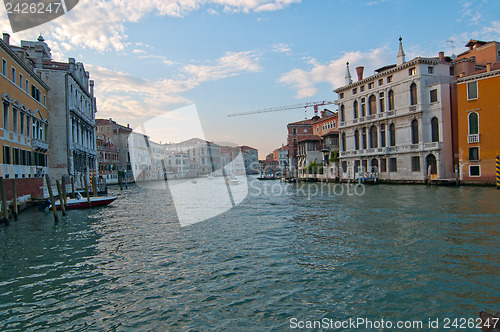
point(15, 211)
point(73, 187)
point(61, 198)
point(65, 196)
point(4, 201)
point(94, 186)
point(52, 199)
point(87, 190)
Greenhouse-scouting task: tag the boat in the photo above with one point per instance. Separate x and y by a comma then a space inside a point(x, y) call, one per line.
point(194, 181)
point(232, 180)
point(81, 202)
point(267, 177)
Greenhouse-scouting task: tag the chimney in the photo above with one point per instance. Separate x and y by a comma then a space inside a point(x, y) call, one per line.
point(6, 38)
point(128, 125)
point(348, 79)
point(92, 88)
point(38, 58)
point(71, 65)
point(488, 67)
point(441, 56)
point(360, 70)
point(323, 113)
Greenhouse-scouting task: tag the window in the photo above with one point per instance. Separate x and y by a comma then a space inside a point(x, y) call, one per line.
point(412, 71)
point(383, 165)
point(294, 131)
point(373, 137)
point(341, 95)
point(435, 129)
point(381, 102)
point(475, 170)
point(392, 135)
point(430, 70)
point(317, 129)
point(21, 81)
point(372, 105)
point(434, 96)
point(26, 87)
point(15, 156)
point(415, 164)
point(354, 91)
point(342, 117)
point(473, 123)
point(355, 109)
point(382, 135)
point(44, 101)
point(14, 75)
point(393, 165)
point(362, 88)
point(371, 85)
point(414, 132)
point(21, 123)
point(6, 154)
point(380, 82)
point(344, 166)
point(356, 139)
point(474, 153)
point(4, 67)
point(343, 141)
point(14, 120)
point(5, 115)
point(363, 137)
point(363, 107)
point(413, 94)
point(35, 93)
point(472, 90)
point(391, 100)
point(389, 79)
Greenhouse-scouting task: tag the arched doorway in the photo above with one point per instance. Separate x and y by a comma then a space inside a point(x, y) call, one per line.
point(374, 166)
point(431, 162)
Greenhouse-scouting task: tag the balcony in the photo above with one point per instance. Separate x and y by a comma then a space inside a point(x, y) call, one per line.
point(38, 144)
point(474, 138)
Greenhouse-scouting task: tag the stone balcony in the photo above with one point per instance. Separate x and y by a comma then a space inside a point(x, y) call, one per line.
point(405, 148)
point(38, 144)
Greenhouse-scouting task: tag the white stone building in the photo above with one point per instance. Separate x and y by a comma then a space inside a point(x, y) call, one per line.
point(397, 124)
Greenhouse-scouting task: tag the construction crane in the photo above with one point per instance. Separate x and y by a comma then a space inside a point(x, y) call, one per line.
point(315, 104)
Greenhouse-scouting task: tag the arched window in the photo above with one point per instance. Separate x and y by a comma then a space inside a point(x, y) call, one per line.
point(355, 109)
point(382, 135)
point(391, 100)
point(373, 137)
point(363, 107)
point(356, 139)
point(342, 118)
point(381, 101)
point(413, 94)
point(363, 137)
point(435, 129)
point(473, 123)
point(372, 105)
point(392, 135)
point(343, 142)
point(414, 132)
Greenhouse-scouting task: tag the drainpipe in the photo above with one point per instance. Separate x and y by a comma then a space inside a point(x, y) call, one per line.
point(68, 150)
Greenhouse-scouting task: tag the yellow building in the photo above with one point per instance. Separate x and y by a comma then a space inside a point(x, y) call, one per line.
point(23, 123)
point(478, 124)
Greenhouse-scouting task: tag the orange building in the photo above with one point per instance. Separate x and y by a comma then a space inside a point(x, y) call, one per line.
point(478, 103)
point(23, 124)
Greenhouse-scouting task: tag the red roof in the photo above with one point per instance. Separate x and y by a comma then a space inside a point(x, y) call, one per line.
point(310, 138)
point(303, 122)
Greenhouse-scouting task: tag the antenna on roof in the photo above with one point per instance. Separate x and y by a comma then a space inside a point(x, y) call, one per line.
point(452, 42)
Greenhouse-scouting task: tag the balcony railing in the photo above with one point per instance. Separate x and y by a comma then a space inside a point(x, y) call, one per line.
point(39, 144)
point(474, 138)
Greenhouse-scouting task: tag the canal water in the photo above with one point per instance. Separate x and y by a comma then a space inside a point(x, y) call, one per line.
point(392, 252)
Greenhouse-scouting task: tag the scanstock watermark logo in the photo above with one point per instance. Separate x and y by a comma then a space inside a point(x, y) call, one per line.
point(25, 14)
point(169, 153)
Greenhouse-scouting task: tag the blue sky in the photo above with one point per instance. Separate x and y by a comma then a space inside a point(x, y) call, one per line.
point(149, 57)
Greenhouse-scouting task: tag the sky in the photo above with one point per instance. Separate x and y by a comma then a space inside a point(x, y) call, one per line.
point(150, 59)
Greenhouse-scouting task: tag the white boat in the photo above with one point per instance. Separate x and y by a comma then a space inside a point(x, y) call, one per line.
point(232, 180)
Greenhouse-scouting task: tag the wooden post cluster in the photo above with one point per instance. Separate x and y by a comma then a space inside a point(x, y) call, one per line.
point(52, 199)
point(5, 211)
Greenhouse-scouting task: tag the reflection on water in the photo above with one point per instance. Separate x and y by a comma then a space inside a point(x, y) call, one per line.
point(398, 252)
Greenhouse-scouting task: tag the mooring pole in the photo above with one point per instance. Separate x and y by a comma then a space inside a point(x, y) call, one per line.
point(15, 212)
point(87, 190)
point(73, 187)
point(498, 172)
point(63, 184)
point(61, 199)
point(4, 201)
point(94, 185)
point(52, 199)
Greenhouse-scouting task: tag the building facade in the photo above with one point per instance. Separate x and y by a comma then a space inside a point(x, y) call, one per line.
point(24, 121)
point(397, 124)
point(71, 132)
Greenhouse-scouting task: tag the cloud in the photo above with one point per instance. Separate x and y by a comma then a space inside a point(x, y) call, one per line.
point(100, 24)
point(333, 73)
point(281, 48)
point(470, 12)
point(131, 98)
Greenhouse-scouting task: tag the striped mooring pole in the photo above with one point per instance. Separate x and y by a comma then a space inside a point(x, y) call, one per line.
point(498, 172)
